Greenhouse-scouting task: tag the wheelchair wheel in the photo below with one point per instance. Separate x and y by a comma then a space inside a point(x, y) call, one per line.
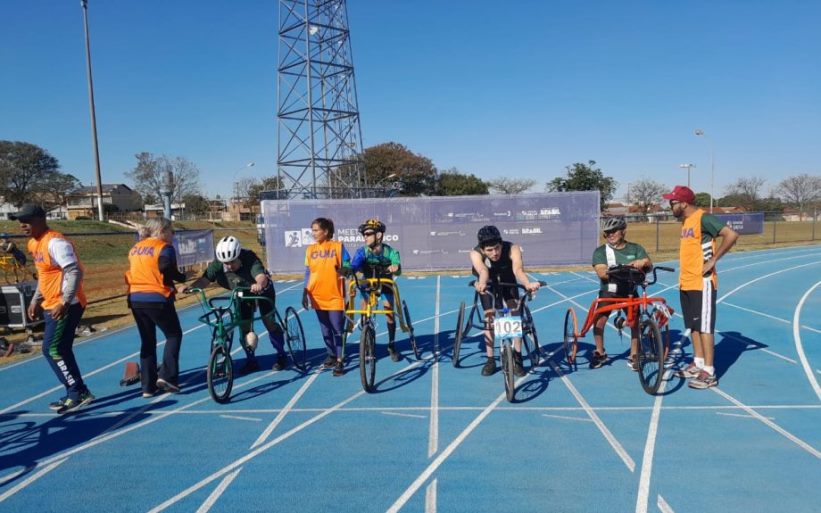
point(650, 355)
point(220, 374)
point(295, 337)
point(507, 372)
point(570, 343)
point(529, 345)
point(367, 357)
point(457, 340)
point(527, 319)
point(411, 335)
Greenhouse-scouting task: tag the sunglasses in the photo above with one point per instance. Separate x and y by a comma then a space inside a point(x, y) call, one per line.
point(611, 232)
point(673, 203)
point(368, 234)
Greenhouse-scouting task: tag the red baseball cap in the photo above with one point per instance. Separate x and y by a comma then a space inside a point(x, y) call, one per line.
point(681, 193)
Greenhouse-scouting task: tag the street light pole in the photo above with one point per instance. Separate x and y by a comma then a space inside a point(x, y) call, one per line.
point(699, 132)
point(84, 5)
point(688, 167)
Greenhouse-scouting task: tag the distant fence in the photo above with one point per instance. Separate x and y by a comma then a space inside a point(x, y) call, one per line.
point(434, 233)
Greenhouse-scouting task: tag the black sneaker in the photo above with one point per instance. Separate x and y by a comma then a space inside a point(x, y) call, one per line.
point(518, 366)
point(598, 360)
point(395, 356)
point(70, 405)
point(490, 367)
point(56, 405)
point(281, 363)
point(168, 386)
point(249, 367)
point(339, 368)
point(329, 362)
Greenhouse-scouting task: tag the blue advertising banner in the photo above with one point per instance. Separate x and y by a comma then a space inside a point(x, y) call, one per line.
point(744, 224)
point(194, 246)
point(437, 233)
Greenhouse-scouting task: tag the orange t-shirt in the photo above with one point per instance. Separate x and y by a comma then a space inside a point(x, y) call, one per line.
point(144, 273)
point(693, 252)
point(49, 273)
point(324, 285)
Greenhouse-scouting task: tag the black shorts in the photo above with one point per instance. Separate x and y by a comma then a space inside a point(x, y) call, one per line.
point(488, 303)
point(698, 307)
point(247, 308)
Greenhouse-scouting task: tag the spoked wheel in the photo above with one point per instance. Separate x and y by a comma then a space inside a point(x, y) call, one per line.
point(457, 341)
point(295, 337)
point(367, 357)
point(411, 335)
point(529, 346)
point(220, 374)
point(650, 355)
point(507, 372)
point(669, 358)
point(527, 321)
point(570, 340)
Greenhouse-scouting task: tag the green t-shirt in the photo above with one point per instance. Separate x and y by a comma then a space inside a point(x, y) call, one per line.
point(710, 226)
point(624, 256)
point(243, 277)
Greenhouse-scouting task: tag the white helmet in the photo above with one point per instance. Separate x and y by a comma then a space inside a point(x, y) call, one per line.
point(228, 249)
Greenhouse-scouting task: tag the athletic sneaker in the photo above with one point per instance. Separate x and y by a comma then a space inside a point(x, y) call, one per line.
point(633, 363)
point(598, 360)
point(490, 367)
point(281, 363)
point(395, 356)
point(339, 368)
point(689, 372)
point(329, 362)
point(168, 386)
point(70, 405)
point(518, 366)
point(149, 393)
point(703, 380)
point(249, 367)
point(56, 405)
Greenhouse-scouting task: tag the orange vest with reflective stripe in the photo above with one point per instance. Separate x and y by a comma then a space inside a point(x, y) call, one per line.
point(144, 273)
point(49, 274)
point(692, 254)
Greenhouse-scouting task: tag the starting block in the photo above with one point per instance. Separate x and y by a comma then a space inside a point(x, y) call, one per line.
point(131, 374)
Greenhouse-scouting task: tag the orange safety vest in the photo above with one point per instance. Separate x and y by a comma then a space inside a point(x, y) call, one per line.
point(49, 274)
point(324, 283)
point(144, 273)
point(693, 253)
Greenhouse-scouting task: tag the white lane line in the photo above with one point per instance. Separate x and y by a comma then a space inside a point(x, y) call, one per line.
point(238, 417)
point(750, 282)
point(799, 347)
point(433, 435)
point(739, 415)
point(758, 348)
point(32, 478)
point(398, 414)
point(649, 448)
point(218, 491)
point(567, 417)
point(750, 310)
point(430, 497)
point(663, 506)
point(288, 407)
point(253, 454)
point(772, 425)
point(628, 461)
point(85, 376)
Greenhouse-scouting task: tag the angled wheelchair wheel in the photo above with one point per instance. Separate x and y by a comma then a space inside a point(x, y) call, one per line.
point(411, 335)
point(367, 357)
point(295, 337)
point(460, 332)
point(507, 372)
point(570, 343)
point(529, 345)
point(527, 319)
point(220, 374)
point(650, 355)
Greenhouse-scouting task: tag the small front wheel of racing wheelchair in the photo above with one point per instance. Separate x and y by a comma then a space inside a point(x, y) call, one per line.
point(220, 374)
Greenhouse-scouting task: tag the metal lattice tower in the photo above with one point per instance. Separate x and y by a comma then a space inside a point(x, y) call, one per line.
point(319, 140)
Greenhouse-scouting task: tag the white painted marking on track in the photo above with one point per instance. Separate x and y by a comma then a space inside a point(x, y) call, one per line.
point(783, 432)
point(281, 415)
point(567, 417)
point(430, 497)
point(643, 495)
point(750, 282)
point(663, 506)
point(32, 478)
point(398, 414)
point(237, 417)
point(433, 435)
point(218, 491)
point(799, 346)
point(739, 415)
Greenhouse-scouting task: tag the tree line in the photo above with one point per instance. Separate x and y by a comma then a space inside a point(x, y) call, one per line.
point(30, 173)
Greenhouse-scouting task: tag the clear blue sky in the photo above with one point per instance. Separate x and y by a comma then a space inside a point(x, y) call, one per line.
point(519, 88)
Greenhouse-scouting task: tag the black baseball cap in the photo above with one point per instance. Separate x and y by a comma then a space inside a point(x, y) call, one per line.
point(28, 212)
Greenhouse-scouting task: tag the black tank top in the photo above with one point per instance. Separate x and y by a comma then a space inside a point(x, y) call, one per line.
point(502, 269)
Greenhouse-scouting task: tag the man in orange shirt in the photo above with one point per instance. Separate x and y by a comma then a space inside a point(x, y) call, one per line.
point(60, 298)
point(698, 280)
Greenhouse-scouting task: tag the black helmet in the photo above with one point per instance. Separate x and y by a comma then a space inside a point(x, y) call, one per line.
point(488, 236)
point(613, 223)
point(372, 224)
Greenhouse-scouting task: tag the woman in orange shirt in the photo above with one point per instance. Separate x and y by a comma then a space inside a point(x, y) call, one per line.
point(324, 288)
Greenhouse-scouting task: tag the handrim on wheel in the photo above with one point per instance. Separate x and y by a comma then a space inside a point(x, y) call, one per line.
point(220, 374)
point(650, 355)
point(570, 343)
point(457, 341)
point(295, 336)
point(507, 372)
point(411, 335)
point(367, 357)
